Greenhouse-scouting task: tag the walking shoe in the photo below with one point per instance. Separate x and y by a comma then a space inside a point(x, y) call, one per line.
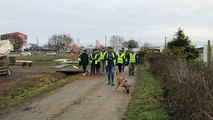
point(108, 83)
point(113, 84)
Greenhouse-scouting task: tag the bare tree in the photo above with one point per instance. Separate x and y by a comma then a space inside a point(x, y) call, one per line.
point(17, 44)
point(146, 45)
point(116, 41)
point(131, 44)
point(60, 43)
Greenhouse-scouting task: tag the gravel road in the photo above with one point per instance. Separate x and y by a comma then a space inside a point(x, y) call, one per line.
point(86, 99)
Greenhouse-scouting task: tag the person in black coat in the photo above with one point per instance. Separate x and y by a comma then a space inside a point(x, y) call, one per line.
point(84, 61)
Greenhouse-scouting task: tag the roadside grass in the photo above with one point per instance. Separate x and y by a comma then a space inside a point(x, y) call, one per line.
point(41, 60)
point(147, 101)
point(29, 89)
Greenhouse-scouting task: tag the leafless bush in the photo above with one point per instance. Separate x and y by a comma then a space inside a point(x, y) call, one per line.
point(188, 87)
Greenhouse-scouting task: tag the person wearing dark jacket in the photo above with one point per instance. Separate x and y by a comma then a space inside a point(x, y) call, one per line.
point(97, 64)
point(84, 61)
point(110, 58)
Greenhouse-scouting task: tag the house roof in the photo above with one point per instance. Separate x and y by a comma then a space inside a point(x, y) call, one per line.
point(15, 34)
point(5, 47)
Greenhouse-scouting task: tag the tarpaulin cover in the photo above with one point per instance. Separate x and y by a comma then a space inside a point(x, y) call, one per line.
point(5, 47)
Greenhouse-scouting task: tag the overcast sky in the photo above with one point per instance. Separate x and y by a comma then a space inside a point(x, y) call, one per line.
point(89, 20)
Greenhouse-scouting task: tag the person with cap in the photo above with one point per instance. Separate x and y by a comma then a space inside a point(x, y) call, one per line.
point(110, 58)
point(84, 61)
point(107, 50)
point(132, 61)
point(93, 61)
point(102, 61)
point(97, 63)
point(124, 60)
point(120, 61)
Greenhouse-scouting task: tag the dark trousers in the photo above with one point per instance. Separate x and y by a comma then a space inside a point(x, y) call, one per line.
point(97, 67)
point(93, 69)
point(120, 67)
point(84, 67)
point(79, 64)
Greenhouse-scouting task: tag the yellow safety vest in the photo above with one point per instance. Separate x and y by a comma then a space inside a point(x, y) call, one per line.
point(79, 56)
point(113, 55)
point(97, 60)
point(101, 56)
point(120, 58)
point(124, 54)
point(132, 57)
point(93, 58)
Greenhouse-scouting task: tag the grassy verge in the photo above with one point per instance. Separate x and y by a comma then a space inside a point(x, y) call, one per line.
point(35, 87)
point(41, 60)
point(147, 98)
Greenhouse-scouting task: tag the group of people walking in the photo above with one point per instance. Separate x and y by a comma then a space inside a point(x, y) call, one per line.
point(106, 60)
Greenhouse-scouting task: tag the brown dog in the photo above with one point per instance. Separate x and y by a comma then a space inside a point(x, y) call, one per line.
point(122, 82)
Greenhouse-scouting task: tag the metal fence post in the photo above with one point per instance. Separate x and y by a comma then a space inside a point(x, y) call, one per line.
point(209, 54)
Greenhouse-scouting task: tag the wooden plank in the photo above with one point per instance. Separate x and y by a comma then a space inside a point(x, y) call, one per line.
point(2, 70)
point(3, 67)
point(24, 61)
point(69, 62)
point(2, 60)
point(3, 73)
point(61, 66)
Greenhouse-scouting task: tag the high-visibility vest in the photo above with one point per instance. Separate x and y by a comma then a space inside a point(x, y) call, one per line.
point(102, 54)
point(79, 56)
point(96, 60)
point(132, 57)
point(113, 55)
point(91, 56)
point(120, 58)
point(124, 54)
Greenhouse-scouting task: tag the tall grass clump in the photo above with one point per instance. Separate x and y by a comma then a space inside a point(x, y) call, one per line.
point(188, 86)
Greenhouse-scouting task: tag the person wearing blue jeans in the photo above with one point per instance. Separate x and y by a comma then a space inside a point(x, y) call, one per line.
point(111, 71)
point(110, 58)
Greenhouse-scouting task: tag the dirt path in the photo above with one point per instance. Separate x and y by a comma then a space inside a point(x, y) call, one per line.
point(89, 99)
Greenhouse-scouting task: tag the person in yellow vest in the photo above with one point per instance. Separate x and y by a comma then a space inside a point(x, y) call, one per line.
point(120, 61)
point(110, 58)
point(97, 63)
point(102, 60)
point(107, 50)
point(79, 58)
point(125, 56)
point(132, 61)
point(92, 58)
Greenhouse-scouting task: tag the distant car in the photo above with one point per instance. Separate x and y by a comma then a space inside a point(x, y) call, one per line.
point(26, 54)
point(51, 54)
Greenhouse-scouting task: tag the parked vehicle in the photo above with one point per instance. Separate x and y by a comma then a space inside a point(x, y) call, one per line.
point(26, 54)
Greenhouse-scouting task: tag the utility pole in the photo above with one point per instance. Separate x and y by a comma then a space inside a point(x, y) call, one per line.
point(165, 46)
point(37, 43)
point(209, 54)
point(105, 40)
point(78, 40)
